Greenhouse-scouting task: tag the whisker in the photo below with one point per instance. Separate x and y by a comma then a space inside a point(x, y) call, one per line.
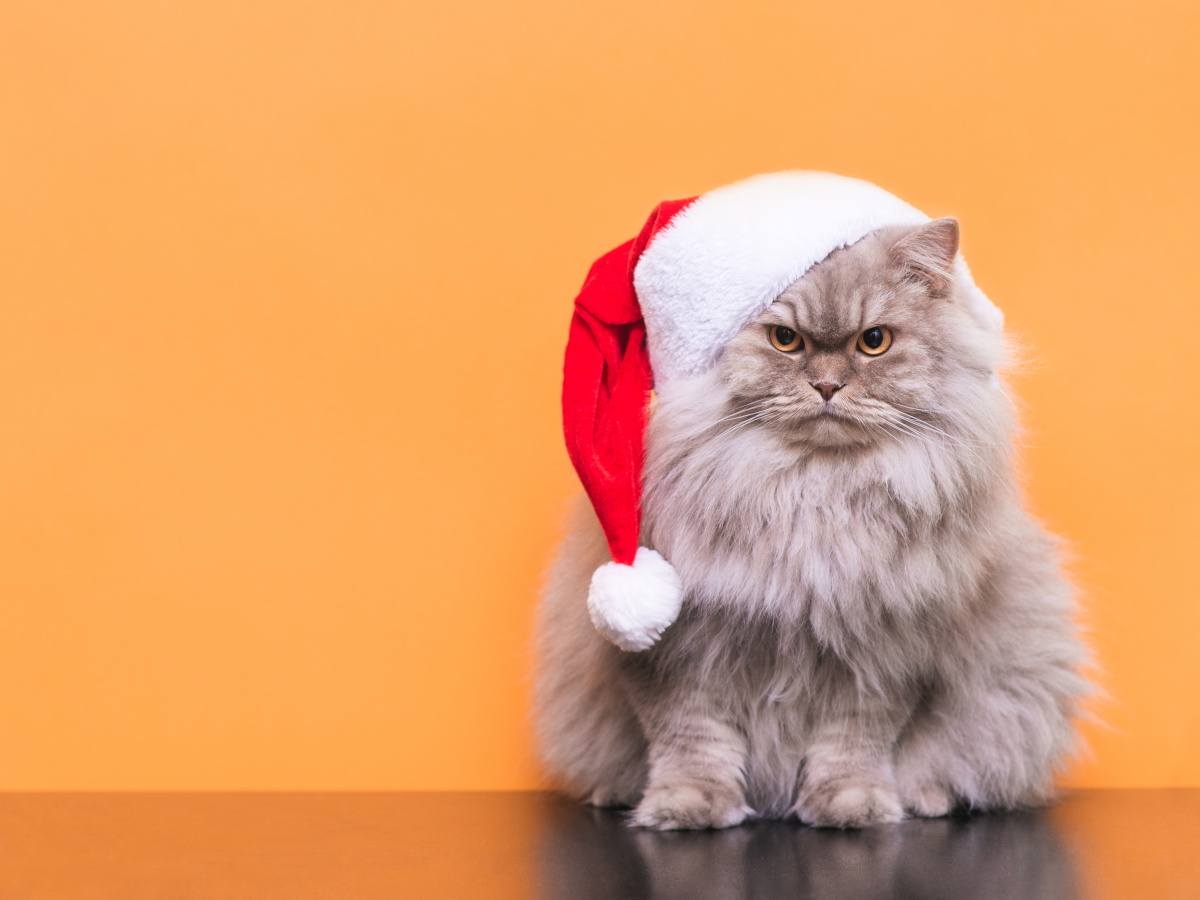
point(965, 443)
point(749, 409)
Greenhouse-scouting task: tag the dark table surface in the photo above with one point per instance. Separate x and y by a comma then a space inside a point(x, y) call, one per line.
point(1127, 844)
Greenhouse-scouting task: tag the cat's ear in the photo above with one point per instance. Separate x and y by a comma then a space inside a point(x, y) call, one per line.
point(926, 254)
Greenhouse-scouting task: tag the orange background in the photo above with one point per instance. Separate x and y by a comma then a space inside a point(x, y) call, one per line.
point(284, 291)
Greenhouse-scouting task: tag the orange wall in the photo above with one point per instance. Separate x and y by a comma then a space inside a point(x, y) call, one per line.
point(284, 291)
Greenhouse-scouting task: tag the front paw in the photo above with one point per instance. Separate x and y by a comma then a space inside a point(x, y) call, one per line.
point(688, 805)
point(849, 803)
point(611, 798)
point(927, 801)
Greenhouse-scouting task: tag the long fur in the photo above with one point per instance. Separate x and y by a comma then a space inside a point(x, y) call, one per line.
point(873, 626)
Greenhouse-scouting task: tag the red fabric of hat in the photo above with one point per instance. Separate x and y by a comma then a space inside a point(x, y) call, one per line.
point(606, 386)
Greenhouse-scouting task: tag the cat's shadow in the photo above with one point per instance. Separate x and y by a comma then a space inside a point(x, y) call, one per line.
point(588, 854)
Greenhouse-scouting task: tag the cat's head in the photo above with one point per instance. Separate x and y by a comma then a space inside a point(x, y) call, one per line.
point(877, 342)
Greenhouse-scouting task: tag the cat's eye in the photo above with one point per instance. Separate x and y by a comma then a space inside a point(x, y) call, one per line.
point(875, 341)
point(785, 339)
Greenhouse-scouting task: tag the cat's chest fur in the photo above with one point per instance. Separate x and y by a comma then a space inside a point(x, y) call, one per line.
point(844, 543)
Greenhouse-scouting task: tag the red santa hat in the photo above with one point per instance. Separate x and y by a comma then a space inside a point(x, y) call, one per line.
point(663, 306)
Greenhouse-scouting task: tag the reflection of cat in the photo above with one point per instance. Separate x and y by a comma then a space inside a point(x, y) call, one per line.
point(589, 854)
point(873, 625)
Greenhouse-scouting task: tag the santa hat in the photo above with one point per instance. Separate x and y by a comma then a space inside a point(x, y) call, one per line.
point(663, 306)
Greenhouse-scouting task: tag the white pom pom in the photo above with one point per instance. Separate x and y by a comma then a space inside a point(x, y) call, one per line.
point(633, 605)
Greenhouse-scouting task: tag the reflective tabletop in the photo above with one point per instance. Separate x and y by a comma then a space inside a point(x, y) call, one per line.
point(498, 845)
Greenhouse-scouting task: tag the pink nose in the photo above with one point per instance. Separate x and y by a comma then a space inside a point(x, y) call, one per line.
point(826, 389)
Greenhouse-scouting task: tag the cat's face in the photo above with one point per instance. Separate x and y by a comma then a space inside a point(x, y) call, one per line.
point(872, 342)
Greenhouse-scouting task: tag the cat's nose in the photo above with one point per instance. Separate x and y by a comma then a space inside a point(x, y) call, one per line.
point(826, 389)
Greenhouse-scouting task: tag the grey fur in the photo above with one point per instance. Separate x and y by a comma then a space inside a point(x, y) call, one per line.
point(873, 625)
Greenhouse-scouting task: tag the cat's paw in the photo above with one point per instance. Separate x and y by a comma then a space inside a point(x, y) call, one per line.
point(849, 803)
point(927, 801)
point(611, 798)
point(688, 805)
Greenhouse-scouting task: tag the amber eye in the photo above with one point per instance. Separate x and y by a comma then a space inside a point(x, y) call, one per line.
point(785, 339)
point(875, 341)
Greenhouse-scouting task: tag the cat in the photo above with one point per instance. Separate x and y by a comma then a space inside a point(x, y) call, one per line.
point(873, 626)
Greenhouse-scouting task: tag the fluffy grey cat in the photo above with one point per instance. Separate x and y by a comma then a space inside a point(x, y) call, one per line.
point(873, 626)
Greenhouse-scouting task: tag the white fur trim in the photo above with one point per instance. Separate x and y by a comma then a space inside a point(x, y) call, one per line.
point(732, 252)
point(980, 305)
point(633, 605)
